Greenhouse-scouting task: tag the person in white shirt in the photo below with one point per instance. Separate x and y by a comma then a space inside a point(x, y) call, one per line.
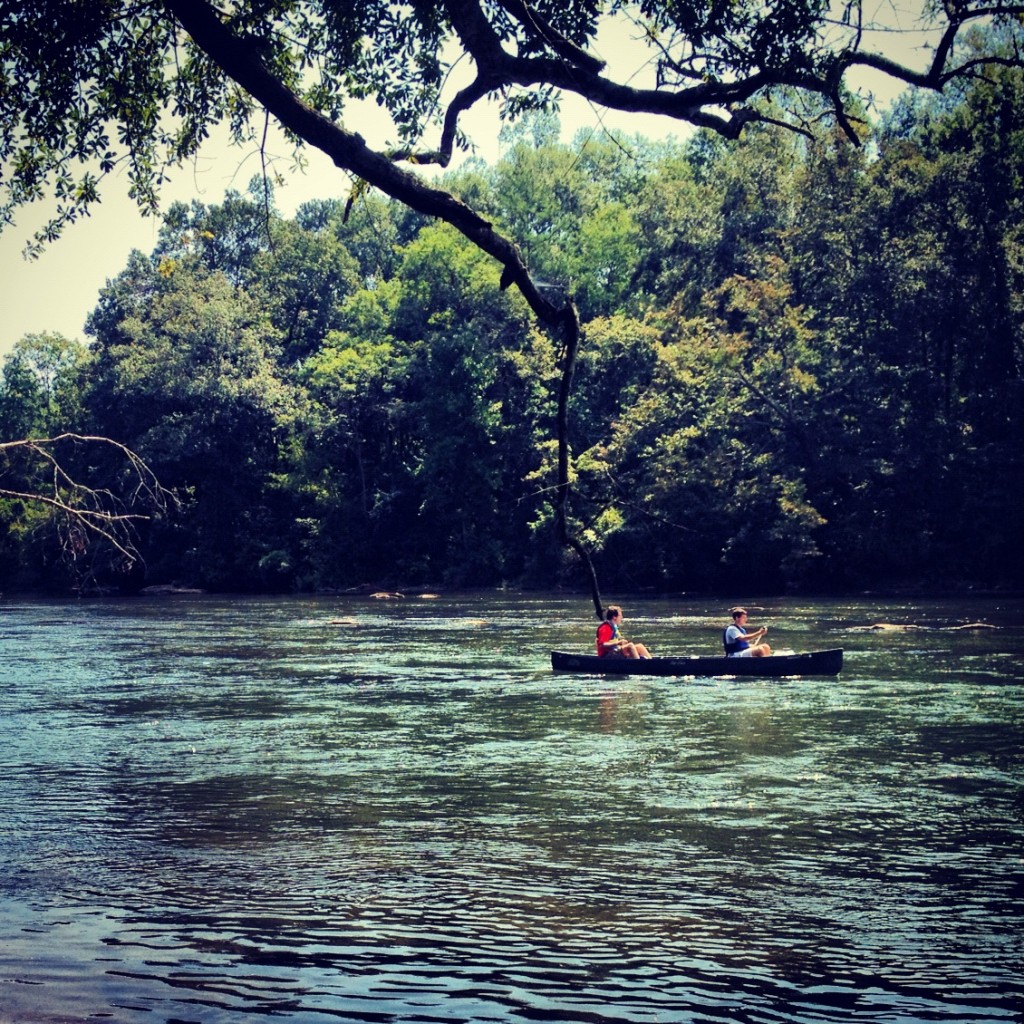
point(739, 643)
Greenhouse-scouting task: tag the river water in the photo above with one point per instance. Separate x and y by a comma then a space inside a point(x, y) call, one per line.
point(341, 809)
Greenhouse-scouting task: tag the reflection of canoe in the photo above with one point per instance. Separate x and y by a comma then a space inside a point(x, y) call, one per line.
point(814, 663)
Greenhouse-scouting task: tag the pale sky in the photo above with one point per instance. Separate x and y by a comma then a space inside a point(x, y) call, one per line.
point(57, 291)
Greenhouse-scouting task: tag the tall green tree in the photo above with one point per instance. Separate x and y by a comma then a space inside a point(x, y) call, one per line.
point(191, 381)
point(457, 392)
point(302, 276)
point(39, 402)
point(947, 280)
point(39, 386)
point(679, 213)
point(358, 453)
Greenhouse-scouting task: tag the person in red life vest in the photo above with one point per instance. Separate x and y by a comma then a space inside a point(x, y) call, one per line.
point(610, 644)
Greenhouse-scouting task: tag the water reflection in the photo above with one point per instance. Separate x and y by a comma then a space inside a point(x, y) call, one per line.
point(218, 811)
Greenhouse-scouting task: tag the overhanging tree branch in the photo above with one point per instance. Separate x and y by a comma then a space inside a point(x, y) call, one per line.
point(97, 512)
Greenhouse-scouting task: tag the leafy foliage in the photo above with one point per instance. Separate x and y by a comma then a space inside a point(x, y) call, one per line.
point(88, 85)
point(793, 363)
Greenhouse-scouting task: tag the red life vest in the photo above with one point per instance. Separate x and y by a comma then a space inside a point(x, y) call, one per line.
point(605, 632)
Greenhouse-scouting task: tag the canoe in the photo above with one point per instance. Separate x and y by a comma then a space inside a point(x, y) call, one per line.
point(813, 663)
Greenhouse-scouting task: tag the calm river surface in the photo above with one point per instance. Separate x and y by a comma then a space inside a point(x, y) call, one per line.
point(339, 809)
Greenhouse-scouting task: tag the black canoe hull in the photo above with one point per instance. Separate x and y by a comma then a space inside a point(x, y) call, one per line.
point(813, 663)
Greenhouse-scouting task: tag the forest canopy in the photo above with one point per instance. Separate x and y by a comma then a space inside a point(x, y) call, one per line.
point(800, 368)
point(362, 359)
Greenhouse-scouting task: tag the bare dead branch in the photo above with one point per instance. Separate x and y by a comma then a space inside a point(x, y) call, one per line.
point(87, 511)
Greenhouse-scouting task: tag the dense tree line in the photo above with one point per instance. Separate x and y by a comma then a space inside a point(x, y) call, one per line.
point(800, 367)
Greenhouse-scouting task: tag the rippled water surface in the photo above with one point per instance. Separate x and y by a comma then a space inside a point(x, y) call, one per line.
point(353, 810)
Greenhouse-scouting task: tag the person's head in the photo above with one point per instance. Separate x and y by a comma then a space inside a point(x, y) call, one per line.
point(612, 612)
point(739, 613)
